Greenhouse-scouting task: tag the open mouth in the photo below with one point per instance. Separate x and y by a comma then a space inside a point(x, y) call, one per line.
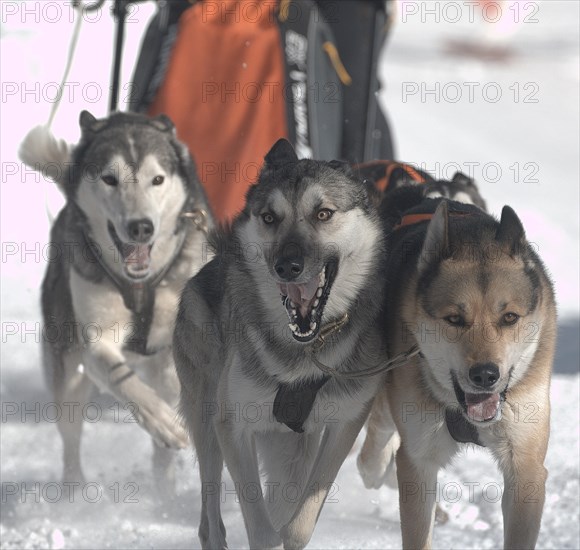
point(479, 407)
point(305, 302)
point(136, 257)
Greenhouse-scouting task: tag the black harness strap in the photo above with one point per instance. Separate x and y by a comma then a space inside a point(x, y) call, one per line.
point(294, 402)
point(460, 429)
point(140, 299)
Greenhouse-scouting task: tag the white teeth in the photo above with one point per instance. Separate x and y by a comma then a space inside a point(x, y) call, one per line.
point(296, 331)
point(319, 293)
point(321, 278)
point(293, 312)
point(313, 325)
point(313, 311)
point(316, 302)
point(292, 304)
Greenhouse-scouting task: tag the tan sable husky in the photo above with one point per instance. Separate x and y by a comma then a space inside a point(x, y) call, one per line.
point(476, 299)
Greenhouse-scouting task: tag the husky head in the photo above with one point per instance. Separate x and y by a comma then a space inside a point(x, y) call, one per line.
point(480, 296)
point(460, 188)
point(316, 230)
point(130, 177)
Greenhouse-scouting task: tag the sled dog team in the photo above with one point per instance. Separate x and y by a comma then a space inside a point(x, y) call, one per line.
point(331, 291)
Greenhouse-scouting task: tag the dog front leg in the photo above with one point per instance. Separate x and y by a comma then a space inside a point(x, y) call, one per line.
point(212, 532)
point(240, 455)
point(377, 457)
point(74, 389)
point(417, 498)
point(163, 377)
point(520, 444)
point(522, 505)
point(336, 443)
point(106, 367)
point(525, 482)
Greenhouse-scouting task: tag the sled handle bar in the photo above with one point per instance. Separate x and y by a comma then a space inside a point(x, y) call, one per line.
point(96, 5)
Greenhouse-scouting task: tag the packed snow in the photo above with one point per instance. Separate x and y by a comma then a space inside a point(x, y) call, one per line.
point(445, 115)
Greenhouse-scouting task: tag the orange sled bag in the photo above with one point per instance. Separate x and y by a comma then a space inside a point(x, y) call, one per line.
point(236, 75)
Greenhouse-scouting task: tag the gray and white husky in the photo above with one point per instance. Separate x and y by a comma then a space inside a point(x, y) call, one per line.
point(123, 250)
point(303, 260)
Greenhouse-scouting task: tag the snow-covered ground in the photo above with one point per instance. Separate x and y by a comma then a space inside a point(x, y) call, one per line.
point(521, 152)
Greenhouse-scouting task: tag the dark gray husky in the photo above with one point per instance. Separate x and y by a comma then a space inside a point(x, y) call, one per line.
point(266, 336)
point(124, 248)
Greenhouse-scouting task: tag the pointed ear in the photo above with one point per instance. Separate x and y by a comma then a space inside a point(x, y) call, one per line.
point(436, 246)
point(461, 178)
point(343, 167)
point(86, 120)
point(89, 124)
point(510, 234)
point(281, 153)
point(164, 123)
point(339, 165)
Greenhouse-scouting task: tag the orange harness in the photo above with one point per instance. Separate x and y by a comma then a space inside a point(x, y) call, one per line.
point(382, 183)
point(407, 168)
point(411, 219)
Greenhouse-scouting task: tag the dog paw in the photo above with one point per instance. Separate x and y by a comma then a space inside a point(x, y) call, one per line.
point(164, 427)
point(376, 463)
point(373, 472)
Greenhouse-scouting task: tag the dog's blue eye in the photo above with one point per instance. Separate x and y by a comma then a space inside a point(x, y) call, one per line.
point(267, 218)
point(324, 214)
point(158, 180)
point(510, 318)
point(110, 180)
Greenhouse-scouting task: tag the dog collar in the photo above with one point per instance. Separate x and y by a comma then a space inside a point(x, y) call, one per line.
point(327, 330)
point(294, 402)
point(460, 429)
point(199, 218)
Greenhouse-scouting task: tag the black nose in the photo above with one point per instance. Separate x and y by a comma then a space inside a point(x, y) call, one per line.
point(140, 230)
point(289, 268)
point(484, 375)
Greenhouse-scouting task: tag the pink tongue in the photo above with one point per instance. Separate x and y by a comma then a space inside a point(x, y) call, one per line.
point(482, 406)
point(301, 294)
point(138, 256)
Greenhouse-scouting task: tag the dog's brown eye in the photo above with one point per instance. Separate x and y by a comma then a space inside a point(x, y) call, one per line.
point(324, 214)
point(158, 180)
point(510, 318)
point(455, 320)
point(268, 218)
point(110, 180)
